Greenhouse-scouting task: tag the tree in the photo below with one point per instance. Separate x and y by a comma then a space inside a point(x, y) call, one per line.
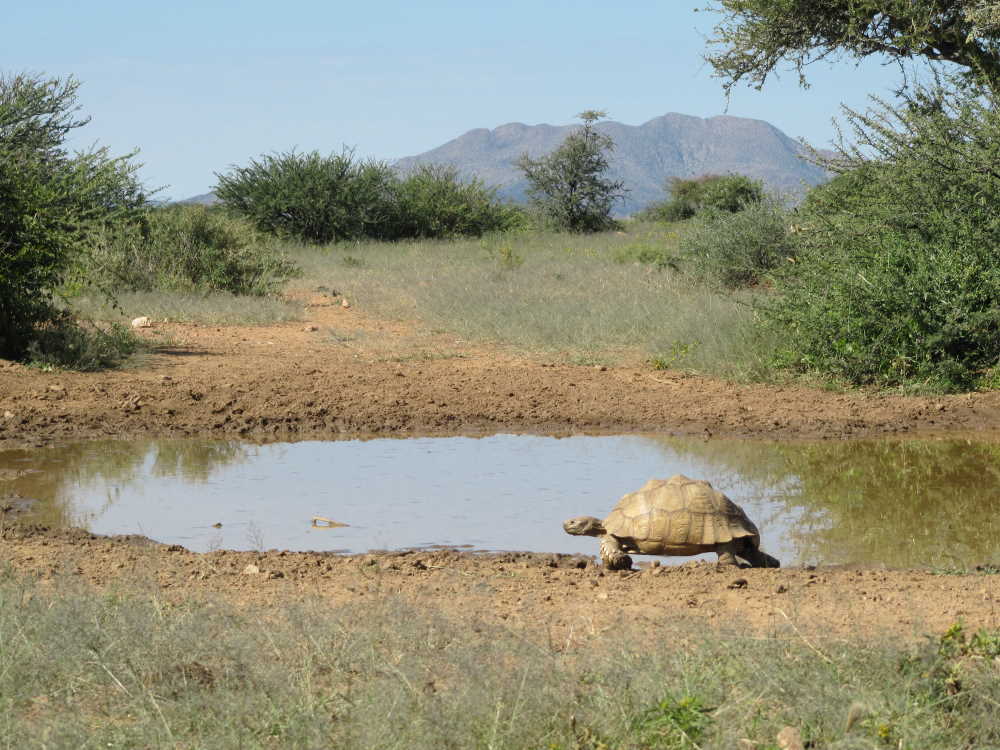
point(53, 204)
point(755, 36)
point(569, 186)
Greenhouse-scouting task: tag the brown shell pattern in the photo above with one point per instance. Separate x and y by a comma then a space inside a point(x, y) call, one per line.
point(679, 511)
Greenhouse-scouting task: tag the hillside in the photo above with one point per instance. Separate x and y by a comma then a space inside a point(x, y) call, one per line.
point(645, 156)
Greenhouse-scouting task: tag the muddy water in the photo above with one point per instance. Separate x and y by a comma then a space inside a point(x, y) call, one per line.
point(909, 503)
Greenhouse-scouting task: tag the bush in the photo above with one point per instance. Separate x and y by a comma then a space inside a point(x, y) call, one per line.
point(432, 202)
point(192, 248)
point(312, 198)
point(689, 197)
point(52, 204)
point(898, 276)
point(320, 199)
point(737, 249)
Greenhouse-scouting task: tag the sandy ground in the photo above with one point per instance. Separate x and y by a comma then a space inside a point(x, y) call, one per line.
point(299, 381)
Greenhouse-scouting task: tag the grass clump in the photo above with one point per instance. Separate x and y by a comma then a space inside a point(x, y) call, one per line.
point(65, 343)
point(134, 669)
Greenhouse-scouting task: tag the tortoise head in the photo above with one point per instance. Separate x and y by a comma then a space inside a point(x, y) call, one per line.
point(584, 526)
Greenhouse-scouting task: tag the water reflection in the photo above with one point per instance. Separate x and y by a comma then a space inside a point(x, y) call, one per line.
point(901, 503)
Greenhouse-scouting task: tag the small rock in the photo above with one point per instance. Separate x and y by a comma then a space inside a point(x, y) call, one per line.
point(272, 574)
point(739, 583)
point(8, 415)
point(310, 328)
point(790, 738)
point(782, 588)
point(251, 570)
point(143, 322)
point(344, 303)
point(56, 388)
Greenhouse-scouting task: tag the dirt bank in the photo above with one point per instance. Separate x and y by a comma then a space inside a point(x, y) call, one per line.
point(565, 594)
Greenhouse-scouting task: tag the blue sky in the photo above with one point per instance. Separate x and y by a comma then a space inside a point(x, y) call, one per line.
point(200, 86)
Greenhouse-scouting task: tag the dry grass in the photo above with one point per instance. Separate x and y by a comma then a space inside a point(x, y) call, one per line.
point(588, 299)
point(131, 669)
point(585, 298)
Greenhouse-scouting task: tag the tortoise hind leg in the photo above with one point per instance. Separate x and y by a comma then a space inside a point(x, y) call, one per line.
point(757, 558)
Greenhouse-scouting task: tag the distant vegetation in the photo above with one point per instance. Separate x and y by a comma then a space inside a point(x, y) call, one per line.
point(320, 199)
point(705, 194)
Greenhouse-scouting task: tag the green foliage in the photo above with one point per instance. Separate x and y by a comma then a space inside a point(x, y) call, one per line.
point(320, 199)
point(433, 202)
point(310, 197)
point(192, 248)
point(953, 667)
point(568, 186)
point(52, 203)
point(688, 197)
point(737, 249)
point(897, 273)
point(672, 724)
point(755, 36)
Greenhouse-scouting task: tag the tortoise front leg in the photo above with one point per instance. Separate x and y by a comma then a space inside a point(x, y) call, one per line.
point(727, 554)
point(613, 555)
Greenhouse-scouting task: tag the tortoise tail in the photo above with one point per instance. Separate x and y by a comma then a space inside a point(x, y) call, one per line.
point(758, 558)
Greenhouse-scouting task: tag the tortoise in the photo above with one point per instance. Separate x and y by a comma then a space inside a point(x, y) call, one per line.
point(676, 516)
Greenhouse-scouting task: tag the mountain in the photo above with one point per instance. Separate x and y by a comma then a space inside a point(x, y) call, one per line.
point(645, 156)
point(205, 199)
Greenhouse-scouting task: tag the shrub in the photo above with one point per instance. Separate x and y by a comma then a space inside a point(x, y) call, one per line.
point(737, 249)
point(61, 341)
point(192, 248)
point(52, 204)
point(310, 197)
point(569, 187)
point(433, 202)
point(898, 277)
point(688, 197)
point(320, 199)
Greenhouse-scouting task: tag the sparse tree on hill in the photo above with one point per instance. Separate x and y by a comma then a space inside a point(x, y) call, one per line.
point(569, 185)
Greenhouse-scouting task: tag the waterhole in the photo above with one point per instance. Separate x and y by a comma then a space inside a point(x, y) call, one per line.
point(899, 503)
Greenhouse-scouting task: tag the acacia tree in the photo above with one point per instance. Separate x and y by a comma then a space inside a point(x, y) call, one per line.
point(569, 185)
point(755, 36)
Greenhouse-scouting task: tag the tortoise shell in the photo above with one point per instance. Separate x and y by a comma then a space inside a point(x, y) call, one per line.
point(678, 516)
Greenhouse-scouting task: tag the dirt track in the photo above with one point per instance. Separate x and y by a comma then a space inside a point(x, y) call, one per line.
point(287, 382)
